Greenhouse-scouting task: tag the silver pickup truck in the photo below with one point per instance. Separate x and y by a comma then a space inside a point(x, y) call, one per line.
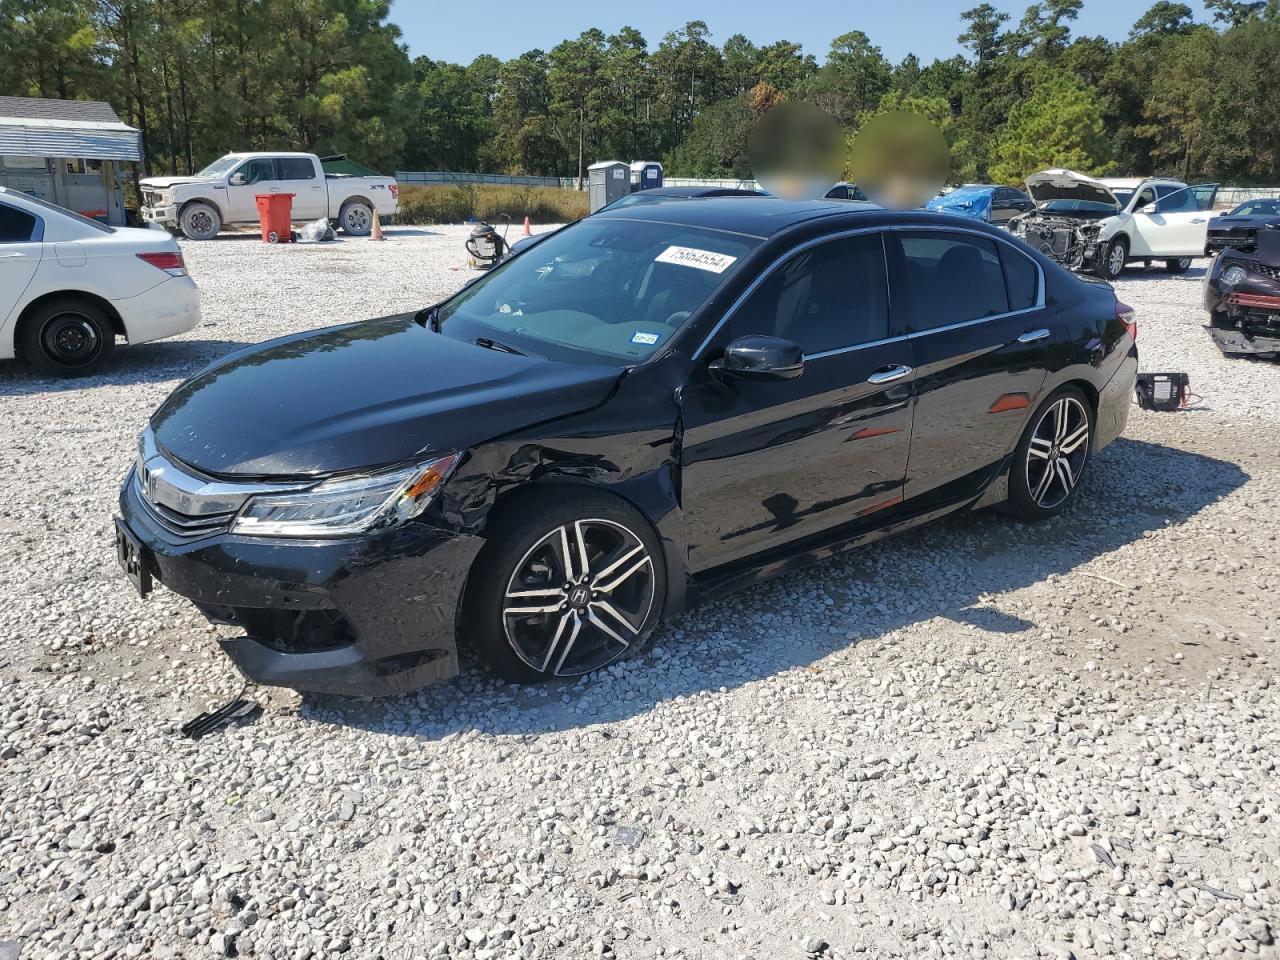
point(224, 194)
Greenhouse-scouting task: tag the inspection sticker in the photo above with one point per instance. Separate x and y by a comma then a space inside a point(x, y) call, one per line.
point(699, 259)
point(645, 338)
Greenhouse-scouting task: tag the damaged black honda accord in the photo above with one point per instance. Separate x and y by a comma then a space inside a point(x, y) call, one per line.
point(653, 406)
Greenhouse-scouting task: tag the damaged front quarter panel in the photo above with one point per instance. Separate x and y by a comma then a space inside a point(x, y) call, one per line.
point(1070, 241)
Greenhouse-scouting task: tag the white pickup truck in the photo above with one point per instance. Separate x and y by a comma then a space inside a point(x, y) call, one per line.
point(224, 192)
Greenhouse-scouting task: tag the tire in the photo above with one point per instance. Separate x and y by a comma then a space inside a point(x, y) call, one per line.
point(200, 221)
point(1032, 494)
point(356, 218)
point(1114, 256)
point(67, 337)
point(1181, 265)
point(526, 625)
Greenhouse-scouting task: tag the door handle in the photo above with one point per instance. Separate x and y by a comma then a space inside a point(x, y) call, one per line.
point(889, 374)
point(1197, 219)
point(1031, 336)
point(13, 256)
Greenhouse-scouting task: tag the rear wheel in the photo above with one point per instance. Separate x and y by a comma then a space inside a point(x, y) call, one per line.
point(67, 337)
point(567, 584)
point(1052, 456)
point(356, 218)
point(1181, 265)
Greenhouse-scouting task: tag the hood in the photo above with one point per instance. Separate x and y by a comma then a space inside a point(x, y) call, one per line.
point(164, 183)
point(1253, 220)
point(1062, 184)
point(360, 396)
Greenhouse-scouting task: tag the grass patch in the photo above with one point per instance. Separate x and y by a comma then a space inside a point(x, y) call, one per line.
point(461, 201)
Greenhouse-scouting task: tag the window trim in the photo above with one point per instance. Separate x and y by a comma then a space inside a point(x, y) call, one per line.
point(37, 230)
point(882, 229)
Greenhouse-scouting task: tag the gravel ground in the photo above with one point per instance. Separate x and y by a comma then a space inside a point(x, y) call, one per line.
point(977, 740)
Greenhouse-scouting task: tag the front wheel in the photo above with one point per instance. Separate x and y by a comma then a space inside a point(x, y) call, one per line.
point(1051, 458)
point(200, 221)
point(67, 337)
point(1181, 265)
point(566, 584)
point(1113, 258)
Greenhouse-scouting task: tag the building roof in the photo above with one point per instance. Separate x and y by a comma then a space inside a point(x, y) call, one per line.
point(86, 129)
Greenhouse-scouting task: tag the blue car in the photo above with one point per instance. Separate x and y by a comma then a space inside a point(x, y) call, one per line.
point(983, 201)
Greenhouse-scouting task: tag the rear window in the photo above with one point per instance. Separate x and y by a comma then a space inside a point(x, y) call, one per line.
point(951, 278)
point(16, 226)
point(63, 211)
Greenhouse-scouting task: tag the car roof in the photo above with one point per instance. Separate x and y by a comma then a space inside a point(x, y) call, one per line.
point(697, 191)
point(769, 216)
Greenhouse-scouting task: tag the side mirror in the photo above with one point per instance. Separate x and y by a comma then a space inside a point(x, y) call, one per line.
point(1149, 208)
point(237, 180)
point(760, 358)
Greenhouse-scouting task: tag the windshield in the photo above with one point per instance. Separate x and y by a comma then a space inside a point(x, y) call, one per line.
point(41, 202)
point(220, 166)
point(631, 199)
point(598, 291)
point(1257, 208)
point(1077, 206)
point(1123, 197)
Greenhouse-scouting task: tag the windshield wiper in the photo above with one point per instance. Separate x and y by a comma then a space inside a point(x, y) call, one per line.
point(490, 344)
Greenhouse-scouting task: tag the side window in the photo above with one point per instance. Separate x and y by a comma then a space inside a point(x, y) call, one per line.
point(1148, 195)
point(16, 226)
point(829, 296)
point(950, 278)
point(258, 170)
point(1021, 278)
point(296, 168)
point(838, 193)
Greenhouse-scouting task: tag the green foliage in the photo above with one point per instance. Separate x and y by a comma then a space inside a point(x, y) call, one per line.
point(1059, 125)
point(455, 204)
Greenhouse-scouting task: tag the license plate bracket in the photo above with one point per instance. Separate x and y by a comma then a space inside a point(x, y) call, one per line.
point(134, 560)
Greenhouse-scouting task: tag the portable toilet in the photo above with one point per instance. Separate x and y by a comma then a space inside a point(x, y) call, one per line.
point(645, 174)
point(607, 180)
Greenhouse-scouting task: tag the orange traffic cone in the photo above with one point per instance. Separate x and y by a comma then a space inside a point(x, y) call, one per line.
point(527, 231)
point(377, 227)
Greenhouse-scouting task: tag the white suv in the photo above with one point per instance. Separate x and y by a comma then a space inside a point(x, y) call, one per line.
point(1100, 225)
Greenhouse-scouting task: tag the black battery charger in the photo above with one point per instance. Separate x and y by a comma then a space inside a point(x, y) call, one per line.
point(1163, 391)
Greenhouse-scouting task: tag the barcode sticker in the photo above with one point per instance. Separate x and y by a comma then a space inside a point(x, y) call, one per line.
point(698, 259)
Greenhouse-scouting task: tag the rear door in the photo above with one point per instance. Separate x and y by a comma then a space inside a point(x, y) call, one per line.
point(973, 306)
point(1180, 223)
point(299, 176)
point(20, 251)
point(768, 463)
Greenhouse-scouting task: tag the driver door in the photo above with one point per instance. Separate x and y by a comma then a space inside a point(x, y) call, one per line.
point(1178, 225)
point(251, 178)
point(767, 463)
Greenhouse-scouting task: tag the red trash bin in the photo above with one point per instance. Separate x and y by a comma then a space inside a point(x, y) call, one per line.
point(275, 211)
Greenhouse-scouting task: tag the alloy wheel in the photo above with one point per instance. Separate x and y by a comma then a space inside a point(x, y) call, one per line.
point(71, 339)
point(579, 597)
point(1116, 260)
point(1057, 452)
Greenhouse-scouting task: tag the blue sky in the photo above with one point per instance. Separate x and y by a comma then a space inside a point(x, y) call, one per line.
point(458, 32)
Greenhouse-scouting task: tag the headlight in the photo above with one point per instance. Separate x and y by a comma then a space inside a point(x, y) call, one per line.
point(352, 505)
point(1233, 275)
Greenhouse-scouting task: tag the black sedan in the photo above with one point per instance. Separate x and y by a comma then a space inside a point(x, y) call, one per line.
point(653, 406)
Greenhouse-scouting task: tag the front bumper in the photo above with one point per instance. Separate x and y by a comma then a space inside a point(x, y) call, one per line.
point(1234, 341)
point(162, 214)
point(371, 616)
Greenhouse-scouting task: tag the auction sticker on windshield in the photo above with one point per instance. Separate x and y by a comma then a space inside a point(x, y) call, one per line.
point(699, 259)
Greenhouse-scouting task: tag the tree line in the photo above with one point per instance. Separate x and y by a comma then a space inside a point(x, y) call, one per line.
point(203, 77)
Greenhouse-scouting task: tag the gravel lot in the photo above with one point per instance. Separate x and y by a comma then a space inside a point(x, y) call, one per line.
point(977, 740)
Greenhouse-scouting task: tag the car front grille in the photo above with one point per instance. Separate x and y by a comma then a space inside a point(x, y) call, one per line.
point(182, 525)
point(1266, 270)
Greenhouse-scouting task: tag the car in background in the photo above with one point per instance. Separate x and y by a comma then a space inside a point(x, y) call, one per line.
point(69, 286)
point(1239, 228)
point(987, 202)
point(225, 194)
point(656, 404)
point(652, 195)
point(1100, 226)
point(1242, 288)
point(846, 191)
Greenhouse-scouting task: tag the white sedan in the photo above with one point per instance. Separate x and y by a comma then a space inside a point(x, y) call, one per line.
point(69, 286)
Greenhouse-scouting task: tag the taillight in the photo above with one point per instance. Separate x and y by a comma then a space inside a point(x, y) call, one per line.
point(395, 191)
point(170, 263)
point(1125, 314)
